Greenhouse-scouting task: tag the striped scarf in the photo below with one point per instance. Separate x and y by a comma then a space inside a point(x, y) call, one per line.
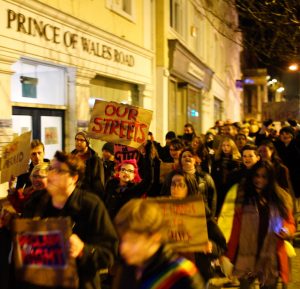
point(180, 268)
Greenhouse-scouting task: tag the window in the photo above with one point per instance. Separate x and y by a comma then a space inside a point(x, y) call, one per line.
point(176, 15)
point(125, 8)
point(218, 109)
point(38, 82)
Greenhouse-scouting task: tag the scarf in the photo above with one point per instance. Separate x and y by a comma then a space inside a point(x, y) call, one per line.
point(264, 265)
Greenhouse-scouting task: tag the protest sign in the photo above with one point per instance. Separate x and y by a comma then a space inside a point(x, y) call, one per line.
point(41, 254)
point(119, 123)
point(123, 153)
point(15, 157)
point(186, 228)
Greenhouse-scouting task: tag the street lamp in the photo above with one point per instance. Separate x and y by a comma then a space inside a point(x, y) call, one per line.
point(293, 67)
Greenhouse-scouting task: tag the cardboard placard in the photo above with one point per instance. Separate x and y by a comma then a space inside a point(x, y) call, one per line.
point(123, 153)
point(186, 229)
point(15, 157)
point(119, 123)
point(41, 252)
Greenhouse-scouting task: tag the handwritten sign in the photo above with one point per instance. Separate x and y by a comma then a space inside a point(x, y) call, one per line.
point(41, 252)
point(123, 153)
point(119, 123)
point(15, 157)
point(186, 229)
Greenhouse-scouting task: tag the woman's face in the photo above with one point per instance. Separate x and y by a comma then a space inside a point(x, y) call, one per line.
point(195, 143)
point(126, 173)
point(265, 152)
point(179, 189)
point(188, 161)
point(260, 179)
point(39, 179)
point(226, 148)
point(174, 153)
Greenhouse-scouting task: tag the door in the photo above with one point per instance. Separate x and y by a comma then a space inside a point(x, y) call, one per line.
point(45, 124)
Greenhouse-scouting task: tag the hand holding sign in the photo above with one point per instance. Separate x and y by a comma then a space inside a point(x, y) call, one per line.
point(119, 123)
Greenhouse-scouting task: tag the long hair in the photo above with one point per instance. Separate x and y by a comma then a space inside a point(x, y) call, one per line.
point(194, 154)
point(274, 194)
point(234, 150)
point(190, 181)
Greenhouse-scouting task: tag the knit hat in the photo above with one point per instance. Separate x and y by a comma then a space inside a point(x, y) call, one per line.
point(287, 129)
point(84, 134)
point(109, 146)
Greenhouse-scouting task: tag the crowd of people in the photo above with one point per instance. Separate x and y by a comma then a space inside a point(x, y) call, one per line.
point(247, 175)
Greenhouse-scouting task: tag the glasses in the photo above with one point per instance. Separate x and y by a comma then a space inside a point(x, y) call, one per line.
point(80, 139)
point(179, 186)
point(58, 170)
point(123, 170)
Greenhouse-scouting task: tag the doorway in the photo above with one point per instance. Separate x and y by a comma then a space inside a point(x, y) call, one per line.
point(45, 124)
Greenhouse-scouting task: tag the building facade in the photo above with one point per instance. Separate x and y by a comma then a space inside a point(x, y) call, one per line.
point(57, 57)
point(198, 63)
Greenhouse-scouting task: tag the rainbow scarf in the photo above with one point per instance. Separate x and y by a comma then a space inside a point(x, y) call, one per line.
point(180, 268)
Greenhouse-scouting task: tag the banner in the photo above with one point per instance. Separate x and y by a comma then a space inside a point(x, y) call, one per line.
point(119, 123)
point(15, 157)
point(123, 153)
point(41, 255)
point(186, 228)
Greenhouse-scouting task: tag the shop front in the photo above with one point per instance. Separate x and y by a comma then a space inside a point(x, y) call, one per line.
point(53, 67)
point(189, 82)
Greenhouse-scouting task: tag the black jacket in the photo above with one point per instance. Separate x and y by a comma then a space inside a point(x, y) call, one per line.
point(92, 177)
point(91, 223)
point(163, 264)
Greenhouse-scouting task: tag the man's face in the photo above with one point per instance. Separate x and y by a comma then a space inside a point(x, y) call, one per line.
point(286, 138)
point(250, 158)
point(37, 155)
point(174, 153)
point(81, 144)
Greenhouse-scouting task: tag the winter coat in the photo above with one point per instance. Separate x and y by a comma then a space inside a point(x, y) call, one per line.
point(164, 270)
point(91, 223)
point(92, 176)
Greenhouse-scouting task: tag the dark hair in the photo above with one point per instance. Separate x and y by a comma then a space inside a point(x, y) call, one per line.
point(190, 180)
point(188, 149)
point(275, 157)
point(249, 147)
point(274, 194)
point(36, 143)
point(177, 144)
point(170, 135)
point(74, 163)
point(287, 129)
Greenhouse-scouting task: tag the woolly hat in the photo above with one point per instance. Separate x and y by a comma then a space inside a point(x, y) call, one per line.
point(287, 129)
point(84, 134)
point(109, 146)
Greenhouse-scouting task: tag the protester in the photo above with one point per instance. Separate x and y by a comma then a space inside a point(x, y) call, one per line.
point(92, 176)
point(127, 183)
point(37, 153)
point(227, 159)
point(164, 152)
point(188, 134)
point(262, 221)
point(184, 185)
point(94, 241)
point(201, 150)
point(148, 262)
point(38, 178)
point(108, 161)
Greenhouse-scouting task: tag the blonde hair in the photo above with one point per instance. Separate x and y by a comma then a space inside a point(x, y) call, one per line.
point(139, 216)
point(42, 168)
point(234, 150)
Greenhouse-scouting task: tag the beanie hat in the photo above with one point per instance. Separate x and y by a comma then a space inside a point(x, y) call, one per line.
point(84, 134)
point(287, 129)
point(109, 146)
